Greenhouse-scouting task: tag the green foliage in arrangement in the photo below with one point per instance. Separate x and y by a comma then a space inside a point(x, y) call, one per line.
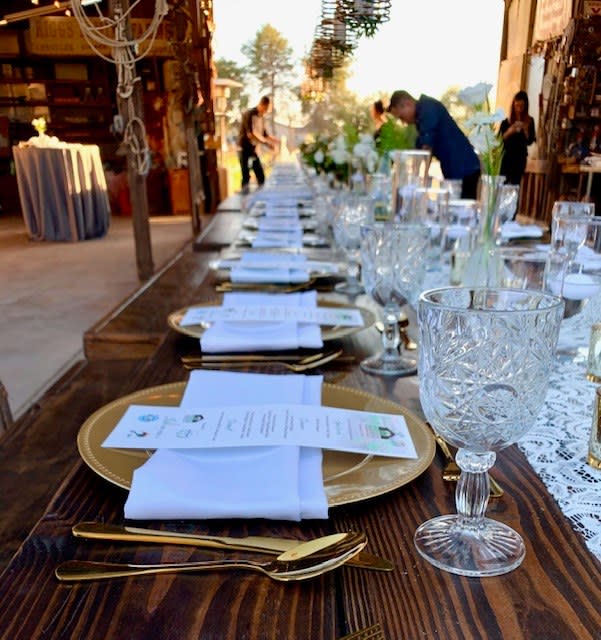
point(394, 135)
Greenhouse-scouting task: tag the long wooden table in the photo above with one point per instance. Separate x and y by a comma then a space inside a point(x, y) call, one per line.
point(46, 489)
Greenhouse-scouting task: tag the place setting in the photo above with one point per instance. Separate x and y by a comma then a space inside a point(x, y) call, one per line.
point(254, 474)
point(253, 322)
point(192, 451)
point(264, 270)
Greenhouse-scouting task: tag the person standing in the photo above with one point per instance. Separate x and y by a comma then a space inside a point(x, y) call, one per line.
point(252, 133)
point(438, 132)
point(518, 133)
point(378, 116)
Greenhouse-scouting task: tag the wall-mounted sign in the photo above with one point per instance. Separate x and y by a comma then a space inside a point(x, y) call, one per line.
point(552, 17)
point(61, 36)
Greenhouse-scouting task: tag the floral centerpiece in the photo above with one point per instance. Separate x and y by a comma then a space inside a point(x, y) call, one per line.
point(484, 266)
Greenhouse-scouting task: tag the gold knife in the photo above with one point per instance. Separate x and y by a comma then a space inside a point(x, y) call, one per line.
point(258, 544)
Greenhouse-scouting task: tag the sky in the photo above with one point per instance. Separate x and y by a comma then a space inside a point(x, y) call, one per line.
point(426, 47)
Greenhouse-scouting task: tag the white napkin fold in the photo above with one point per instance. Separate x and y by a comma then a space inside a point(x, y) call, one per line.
point(271, 239)
point(225, 336)
point(283, 483)
point(513, 229)
point(248, 271)
point(283, 225)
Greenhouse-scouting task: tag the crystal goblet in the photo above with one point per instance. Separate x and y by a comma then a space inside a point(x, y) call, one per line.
point(573, 266)
point(485, 359)
point(393, 267)
point(353, 212)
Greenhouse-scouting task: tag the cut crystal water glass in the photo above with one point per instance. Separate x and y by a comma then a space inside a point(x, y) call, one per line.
point(484, 365)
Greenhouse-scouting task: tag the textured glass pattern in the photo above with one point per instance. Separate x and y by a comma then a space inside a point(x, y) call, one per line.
point(485, 360)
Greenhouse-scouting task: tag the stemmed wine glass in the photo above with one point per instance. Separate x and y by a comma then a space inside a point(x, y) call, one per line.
point(355, 211)
point(573, 266)
point(484, 364)
point(393, 267)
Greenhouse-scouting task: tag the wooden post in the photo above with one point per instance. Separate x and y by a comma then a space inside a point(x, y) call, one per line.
point(137, 183)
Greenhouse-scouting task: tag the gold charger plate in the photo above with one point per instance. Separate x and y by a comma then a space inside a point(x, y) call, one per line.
point(333, 332)
point(348, 477)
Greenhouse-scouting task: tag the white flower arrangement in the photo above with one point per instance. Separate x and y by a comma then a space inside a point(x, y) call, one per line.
point(338, 151)
point(364, 154)
point(483, 127)
point(39, 124)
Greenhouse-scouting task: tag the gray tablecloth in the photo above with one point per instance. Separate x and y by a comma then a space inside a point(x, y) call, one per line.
point(63, 191)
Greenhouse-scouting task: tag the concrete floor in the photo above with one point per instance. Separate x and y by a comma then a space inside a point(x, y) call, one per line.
point(52, 292)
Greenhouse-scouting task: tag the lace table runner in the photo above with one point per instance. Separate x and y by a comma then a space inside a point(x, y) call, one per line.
point(557, 445)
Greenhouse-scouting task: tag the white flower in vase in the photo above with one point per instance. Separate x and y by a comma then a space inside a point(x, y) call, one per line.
point(338, 151)
point(483, 266)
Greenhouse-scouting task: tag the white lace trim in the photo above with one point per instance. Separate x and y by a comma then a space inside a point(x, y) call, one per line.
point(557, 445)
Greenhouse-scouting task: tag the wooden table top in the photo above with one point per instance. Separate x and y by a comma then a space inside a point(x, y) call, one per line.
point(556, 593)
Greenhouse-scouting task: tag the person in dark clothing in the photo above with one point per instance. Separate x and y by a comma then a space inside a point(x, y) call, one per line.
point(378, 115)
point(438, 132)
point(253, 133)
point(517, 132)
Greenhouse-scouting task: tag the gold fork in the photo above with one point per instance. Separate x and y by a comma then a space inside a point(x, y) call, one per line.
point(451, 470)
point(297, 367)
point(368, 633)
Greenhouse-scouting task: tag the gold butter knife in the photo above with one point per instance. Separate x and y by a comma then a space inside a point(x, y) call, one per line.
point(258, 544)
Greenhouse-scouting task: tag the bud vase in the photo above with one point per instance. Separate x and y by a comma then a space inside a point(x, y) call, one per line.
point(484, 267)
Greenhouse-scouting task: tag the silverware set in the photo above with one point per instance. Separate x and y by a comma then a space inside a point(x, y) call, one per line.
point(295, 363)
point(255, 544)
point(295, 559)
point(303, 561)
point(312, 283)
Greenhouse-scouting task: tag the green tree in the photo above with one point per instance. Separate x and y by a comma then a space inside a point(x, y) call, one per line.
point(269, 60)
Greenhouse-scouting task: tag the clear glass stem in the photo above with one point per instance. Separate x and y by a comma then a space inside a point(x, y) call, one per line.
point(391, 337)
point(471, 495)
point(352, 272)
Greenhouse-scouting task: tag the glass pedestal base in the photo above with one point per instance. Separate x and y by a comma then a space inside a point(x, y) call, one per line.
point(350, 287)
point(489, 549)
point(382, 365)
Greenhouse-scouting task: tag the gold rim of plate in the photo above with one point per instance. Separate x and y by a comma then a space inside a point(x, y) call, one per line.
point(353, 477)
point(328, 333)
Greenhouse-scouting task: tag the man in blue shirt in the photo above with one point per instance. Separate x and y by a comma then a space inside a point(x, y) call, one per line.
point(438, 132)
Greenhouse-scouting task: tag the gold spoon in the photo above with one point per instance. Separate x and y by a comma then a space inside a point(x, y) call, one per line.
point(306, 560)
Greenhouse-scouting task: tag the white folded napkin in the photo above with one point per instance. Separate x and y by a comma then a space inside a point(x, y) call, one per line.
point(284, 225)
point(270, 239)
point(224, 336)
point(248, 271)
point(283, 483)
point(286, 212)
point(513, 229)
